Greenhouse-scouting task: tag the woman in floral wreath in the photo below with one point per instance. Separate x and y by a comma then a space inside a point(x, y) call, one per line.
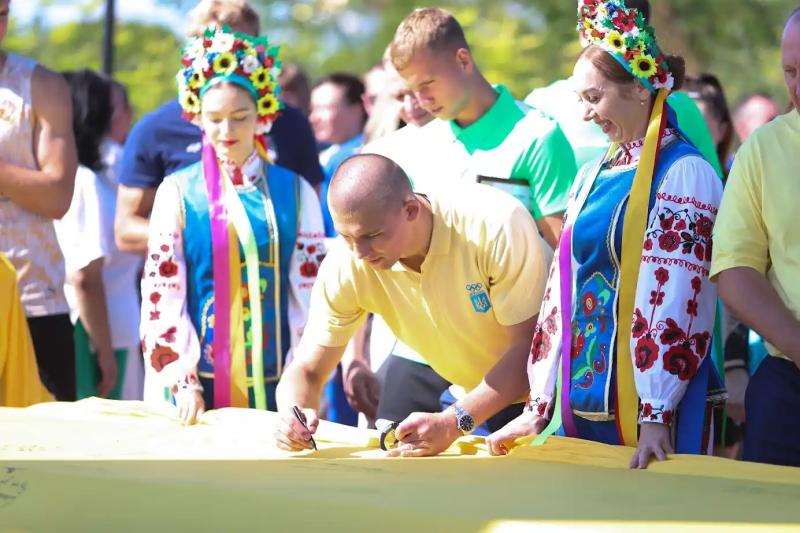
point(234, 243)
point(626, 322)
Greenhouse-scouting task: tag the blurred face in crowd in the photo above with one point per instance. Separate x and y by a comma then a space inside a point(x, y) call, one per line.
point(121, 116)
point(716, 126)
point(411, 112)
point(440, 81)
point(790, 54)
point(753, 114)
point(374, 84)
point(378, 235)
point(333, 118)
point(4, 7)
point(616, 108)
point(228, 118)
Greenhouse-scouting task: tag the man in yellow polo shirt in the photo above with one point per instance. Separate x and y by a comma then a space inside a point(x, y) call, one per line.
point(458, 277)
point(757, 263)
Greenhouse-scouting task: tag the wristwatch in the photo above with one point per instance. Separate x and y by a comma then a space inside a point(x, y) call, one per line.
point(464, 421)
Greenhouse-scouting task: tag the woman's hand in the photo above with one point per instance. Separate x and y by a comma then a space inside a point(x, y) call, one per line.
point(502, 440)
point(190, 406)
point(108, 373)
point(654, 439)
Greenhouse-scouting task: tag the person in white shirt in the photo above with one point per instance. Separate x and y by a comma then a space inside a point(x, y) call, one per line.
point(101, 280)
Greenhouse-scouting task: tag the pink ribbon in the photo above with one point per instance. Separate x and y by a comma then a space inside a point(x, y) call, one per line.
point(222, 279)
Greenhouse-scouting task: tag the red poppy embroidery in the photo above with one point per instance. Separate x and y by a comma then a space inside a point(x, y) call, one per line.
point(168, 268)
point(155, 298)
point(646, 353)
point(647, 410)
point(308, 269)
point(704, 227)
point(666, 417)
point(162, 356)
point(169, 335)
point(669, 241)
point(681, 361)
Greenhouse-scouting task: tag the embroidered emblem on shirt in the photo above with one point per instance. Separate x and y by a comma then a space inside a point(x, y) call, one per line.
point(479, 298)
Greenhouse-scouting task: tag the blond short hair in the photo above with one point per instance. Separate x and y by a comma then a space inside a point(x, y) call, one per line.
point(220, 12)
point(430, 29)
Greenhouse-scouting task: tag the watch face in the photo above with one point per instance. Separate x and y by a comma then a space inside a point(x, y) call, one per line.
point(466, 423)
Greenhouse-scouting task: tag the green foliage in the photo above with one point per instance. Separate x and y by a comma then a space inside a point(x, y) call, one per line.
point(522, 43)
point(145, 57)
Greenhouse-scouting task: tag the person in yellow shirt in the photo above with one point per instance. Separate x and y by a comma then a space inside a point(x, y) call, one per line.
point(458, 277)
point(20, 385)
point(757, 264)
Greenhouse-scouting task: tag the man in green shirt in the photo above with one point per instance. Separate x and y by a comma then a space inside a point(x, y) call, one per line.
point(480, 133)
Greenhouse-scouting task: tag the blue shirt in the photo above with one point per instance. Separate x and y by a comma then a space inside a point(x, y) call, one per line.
point(331, 158)
point(163, 142)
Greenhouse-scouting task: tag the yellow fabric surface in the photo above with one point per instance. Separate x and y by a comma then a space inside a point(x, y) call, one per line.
point(19, 374)
point(483, 241)
point(756, 224)
point(101, 465)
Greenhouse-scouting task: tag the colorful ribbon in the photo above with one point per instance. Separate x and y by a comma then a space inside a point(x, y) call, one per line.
point(633, 231)
point(229, 225)
point(221, 265)
point(247, 239)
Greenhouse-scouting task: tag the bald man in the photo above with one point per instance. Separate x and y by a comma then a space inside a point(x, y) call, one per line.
point(755, 263)
point(458, 277)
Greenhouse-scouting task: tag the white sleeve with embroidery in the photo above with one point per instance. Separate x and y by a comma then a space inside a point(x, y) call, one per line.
point(546, 347)
point(309, 251)
point(675, 301)
point(170, 345)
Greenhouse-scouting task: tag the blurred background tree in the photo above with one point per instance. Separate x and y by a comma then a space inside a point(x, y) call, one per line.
point(522, 43)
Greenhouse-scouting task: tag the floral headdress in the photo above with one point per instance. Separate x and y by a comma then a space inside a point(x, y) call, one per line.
point(221, 55)
point(624, 34)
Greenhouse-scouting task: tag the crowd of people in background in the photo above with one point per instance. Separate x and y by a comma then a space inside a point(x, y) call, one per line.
point(412, 248)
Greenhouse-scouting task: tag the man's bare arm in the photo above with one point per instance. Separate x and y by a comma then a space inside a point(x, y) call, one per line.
point(133, 218)
point(48, 190)
point(507, 381)
point(550, 228)
point(756, 303)
point(303, 380)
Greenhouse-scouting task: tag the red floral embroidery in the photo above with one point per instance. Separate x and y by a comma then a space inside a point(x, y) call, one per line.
point(578, 343)
point(169, 335)
point(589, 303)
point(704, 227)
point(647, 412)
point(640, 325)
point(648, 245)
point(646, 353)
point(308, 269)
point(681, 361)
point(155, 298)
point(162, 356)
point(164, 248)
point(669, 241)
point(168, 268)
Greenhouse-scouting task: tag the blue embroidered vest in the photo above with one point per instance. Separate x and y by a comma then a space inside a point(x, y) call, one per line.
point(281, 189)
point(596, 248)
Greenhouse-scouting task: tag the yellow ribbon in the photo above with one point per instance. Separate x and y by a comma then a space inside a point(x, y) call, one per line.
point(633, 230)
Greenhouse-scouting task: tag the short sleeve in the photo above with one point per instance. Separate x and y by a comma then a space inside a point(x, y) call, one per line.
point(740, 235)
point(79, 232)
point(142, 166)
point(550, 169)
point(516, 261)
point(334, 312)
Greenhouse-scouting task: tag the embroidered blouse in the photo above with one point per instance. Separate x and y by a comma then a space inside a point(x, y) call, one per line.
point(164, 283)
point(675, 301)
